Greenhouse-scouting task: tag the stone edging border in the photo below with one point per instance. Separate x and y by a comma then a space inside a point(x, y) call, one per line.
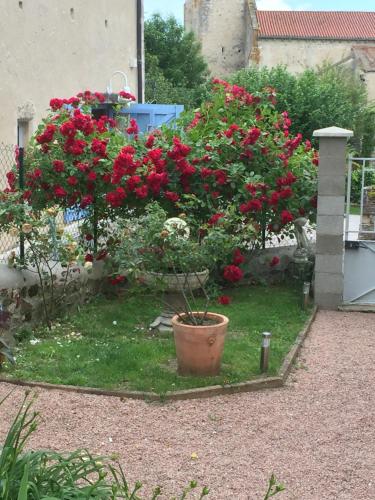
point(202, 392)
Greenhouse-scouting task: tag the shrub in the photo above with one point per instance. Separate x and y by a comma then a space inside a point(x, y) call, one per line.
point(176, 72)
point(318, 98)
point(234, 158)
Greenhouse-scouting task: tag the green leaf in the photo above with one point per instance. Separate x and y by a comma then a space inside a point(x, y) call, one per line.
point(22, 494)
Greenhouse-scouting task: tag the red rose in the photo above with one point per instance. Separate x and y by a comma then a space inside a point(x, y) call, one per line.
point(133, 128)
point(171, 196)
point(133, 182)
point(238, 258)
point(215, 219)
point(285, 193)
point(58, 166)
point(47, 135)
point(99, 147)
point(286, 217)
point(89, 258)
point(37, 174)
point(59, 192)
point(11, 179)
point(91, 176)
point(56, 104)
point(100, 97)
point(221, 177)
point(150, 141)
point(275, 261)
point(252, 136)
point(127, 95)
point(141, 192)
point(224, 300)
point(68, 129)
point(72, 181)
point(86, 201)
point(232, 273)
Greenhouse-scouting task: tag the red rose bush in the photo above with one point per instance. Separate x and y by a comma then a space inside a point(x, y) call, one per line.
point(233, 163)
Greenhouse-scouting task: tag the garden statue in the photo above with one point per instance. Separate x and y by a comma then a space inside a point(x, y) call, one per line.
point(303, 250)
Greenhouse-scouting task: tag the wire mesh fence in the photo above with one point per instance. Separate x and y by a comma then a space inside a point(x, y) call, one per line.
point(8, 242)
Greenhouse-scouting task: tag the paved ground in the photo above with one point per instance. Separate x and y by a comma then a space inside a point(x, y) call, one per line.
point(317, 434)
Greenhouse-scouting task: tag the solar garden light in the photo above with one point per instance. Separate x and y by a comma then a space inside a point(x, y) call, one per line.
point(306, 293)
point(265, 351)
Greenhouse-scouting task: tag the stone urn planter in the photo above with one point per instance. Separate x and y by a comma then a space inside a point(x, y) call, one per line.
point(172, 286)
point(199, 348)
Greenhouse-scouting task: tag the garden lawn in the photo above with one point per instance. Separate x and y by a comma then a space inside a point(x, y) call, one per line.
point(107, 343)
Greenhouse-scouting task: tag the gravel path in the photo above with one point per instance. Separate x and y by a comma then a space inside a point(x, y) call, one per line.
point(317, 434)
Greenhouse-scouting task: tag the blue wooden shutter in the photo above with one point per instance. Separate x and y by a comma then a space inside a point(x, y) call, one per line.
point(152, 116)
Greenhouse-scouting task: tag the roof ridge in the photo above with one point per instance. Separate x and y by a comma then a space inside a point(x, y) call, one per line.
point(321, 11)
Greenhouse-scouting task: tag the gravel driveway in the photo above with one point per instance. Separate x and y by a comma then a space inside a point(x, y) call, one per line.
point(317, 434)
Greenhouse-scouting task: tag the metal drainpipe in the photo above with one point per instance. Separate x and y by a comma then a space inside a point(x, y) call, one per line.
point(140, 50)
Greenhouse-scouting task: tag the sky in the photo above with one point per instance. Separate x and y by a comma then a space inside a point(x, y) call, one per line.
point(176, 7)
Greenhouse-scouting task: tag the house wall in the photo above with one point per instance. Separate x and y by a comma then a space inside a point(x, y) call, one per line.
point(56, 48)
point(223, 31)
point(298, 55)
point(370, 82)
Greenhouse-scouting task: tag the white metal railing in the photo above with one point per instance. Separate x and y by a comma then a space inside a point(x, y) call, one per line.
point(364, 168)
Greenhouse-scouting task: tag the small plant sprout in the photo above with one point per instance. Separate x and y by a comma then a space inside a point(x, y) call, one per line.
point(6, 353)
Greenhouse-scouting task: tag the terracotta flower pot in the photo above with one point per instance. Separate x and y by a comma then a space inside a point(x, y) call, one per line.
point(199, 348)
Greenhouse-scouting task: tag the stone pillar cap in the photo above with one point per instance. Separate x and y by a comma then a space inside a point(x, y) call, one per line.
point(333, 132)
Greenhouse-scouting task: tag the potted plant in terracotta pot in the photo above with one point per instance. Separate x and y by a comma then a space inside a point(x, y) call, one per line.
point(199, 338)
point(165, 254)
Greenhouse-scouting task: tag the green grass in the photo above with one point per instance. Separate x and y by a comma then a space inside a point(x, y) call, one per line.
point(355, 210)
point(125, 356)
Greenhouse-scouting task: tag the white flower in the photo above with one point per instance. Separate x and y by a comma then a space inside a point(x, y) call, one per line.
point(114, 323)
point(34, 341)
point(175, 224)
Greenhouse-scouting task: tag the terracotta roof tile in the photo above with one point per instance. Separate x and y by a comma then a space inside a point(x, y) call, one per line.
point(314, 24)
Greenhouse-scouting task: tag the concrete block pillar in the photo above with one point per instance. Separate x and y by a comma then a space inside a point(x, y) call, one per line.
point(329, 267)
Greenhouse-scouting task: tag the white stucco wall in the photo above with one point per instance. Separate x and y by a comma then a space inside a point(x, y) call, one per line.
point(56, 48)
point(223, 31)
point(370, 82)
point(298, 55)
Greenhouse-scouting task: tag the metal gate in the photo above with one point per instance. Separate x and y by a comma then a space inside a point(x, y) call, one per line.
point(359, 255)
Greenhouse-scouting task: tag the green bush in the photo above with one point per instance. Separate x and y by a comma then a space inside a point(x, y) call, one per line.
point(176, 72)
point(318, 98)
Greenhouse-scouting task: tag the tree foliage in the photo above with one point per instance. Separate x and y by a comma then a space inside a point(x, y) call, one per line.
point(317, 98)
point(175, 69)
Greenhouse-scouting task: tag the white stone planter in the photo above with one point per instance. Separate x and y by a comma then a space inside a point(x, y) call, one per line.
point(172, 286)
point(177, 282)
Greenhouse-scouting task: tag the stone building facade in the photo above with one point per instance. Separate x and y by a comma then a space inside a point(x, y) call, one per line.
point(236, 37)
point(56, 48)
